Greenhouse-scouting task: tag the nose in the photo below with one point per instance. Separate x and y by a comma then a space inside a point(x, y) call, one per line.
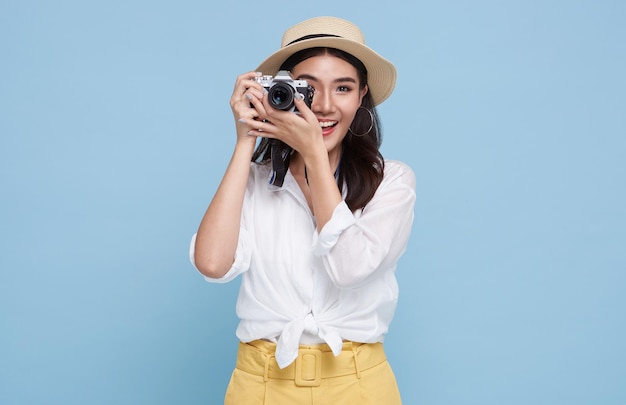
point(322, 102)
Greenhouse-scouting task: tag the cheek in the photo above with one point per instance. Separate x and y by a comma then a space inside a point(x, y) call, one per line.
point(349, 109)
point(349, 116)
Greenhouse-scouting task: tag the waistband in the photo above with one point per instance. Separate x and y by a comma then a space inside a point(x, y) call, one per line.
point(314, 362)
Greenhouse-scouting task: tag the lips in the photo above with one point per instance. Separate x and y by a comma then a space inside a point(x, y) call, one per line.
point(327, 127)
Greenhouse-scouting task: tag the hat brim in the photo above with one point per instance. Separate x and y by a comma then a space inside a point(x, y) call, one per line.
point(381, 74)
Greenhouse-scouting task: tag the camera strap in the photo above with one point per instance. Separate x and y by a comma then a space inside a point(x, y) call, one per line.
point(280, 154)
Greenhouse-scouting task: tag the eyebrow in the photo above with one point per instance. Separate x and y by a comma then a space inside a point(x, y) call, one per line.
point(338, 80)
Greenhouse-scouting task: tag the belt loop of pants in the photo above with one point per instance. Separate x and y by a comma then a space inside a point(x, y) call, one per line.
point(266, 368)
point(356, 362)
point(313, 364)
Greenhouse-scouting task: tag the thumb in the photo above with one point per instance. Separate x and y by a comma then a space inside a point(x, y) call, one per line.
point(303, 106)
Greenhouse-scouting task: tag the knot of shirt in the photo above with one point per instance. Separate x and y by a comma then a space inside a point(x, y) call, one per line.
point(310, 325)
point(289, 340)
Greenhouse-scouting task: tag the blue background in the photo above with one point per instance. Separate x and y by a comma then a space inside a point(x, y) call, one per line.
point(115, 130)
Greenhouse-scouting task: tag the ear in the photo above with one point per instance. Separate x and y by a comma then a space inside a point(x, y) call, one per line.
point(362, 94)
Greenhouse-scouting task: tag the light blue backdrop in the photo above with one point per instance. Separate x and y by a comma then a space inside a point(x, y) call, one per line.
point(115, 130)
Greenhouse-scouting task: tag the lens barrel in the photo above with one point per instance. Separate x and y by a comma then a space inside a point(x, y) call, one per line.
point(281, 96)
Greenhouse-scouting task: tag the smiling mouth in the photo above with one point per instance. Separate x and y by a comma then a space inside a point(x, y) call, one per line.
point(328, 124)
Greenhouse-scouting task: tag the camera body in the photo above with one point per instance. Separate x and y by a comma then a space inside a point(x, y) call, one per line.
point(282, 89)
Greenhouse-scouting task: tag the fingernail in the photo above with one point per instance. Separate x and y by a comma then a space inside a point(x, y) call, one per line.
point(251, 133)
point(300, 96)
point(258, 73)
point(242, 120)
point(264, 90)
point(249, 96)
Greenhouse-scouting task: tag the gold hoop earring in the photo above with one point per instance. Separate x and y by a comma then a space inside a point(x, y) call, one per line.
point(371, 123)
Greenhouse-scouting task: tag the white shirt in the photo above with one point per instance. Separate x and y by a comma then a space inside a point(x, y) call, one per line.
point(301, 287)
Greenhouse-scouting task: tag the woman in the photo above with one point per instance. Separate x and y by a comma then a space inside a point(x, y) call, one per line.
point(317, 243)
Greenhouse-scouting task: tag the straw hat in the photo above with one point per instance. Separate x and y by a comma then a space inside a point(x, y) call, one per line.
point(333, 32)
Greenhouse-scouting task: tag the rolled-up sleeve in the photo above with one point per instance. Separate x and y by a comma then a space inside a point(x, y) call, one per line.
point(355, 246)
point(240, 264)
point(341, 219)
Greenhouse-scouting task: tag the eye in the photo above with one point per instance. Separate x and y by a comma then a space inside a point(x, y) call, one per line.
point(343, 89)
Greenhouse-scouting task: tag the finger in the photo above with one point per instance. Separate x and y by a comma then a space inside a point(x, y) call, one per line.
point(249, 77)
point(303, 107)
point(256, 104)
point(254, 92)
point(262, 127)
point(247, 81)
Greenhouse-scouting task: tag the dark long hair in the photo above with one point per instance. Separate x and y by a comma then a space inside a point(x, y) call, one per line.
point(362, 166)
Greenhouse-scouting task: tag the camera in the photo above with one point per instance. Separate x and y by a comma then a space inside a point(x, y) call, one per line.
point(282, 88)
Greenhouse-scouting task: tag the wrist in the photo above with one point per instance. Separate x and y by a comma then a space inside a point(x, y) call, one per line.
point(317, 155)
point(245, 145)
point(317, 165)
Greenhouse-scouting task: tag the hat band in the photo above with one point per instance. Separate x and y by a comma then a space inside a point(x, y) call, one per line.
point(311, 37)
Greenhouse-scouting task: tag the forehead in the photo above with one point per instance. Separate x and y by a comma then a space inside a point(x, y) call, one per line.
point(325, 67)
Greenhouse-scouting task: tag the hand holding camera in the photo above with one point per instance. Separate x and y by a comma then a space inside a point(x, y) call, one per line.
point(282, 90)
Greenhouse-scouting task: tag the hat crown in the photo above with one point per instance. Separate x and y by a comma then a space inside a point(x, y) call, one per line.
point(323, 26)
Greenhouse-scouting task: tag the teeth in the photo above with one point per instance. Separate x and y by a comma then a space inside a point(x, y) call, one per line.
point(327, 124)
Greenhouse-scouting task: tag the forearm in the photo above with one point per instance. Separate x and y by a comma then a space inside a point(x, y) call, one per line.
point(218, 233)
point(325, 195)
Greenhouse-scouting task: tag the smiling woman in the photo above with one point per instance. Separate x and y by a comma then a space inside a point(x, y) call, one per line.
point(315, 220)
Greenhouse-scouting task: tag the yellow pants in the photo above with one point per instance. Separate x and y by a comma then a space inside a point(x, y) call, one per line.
point(360, 375)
